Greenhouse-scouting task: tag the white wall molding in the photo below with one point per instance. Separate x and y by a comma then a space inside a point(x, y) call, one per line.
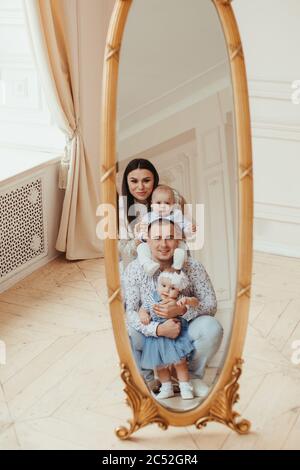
point(274, 248)
point(271, 89)
point(273, 113)
point(12, 13)
point(263, 126)
point(276, 137)
point(275, 130)
point(277, 213)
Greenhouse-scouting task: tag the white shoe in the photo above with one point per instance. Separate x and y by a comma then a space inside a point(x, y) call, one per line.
point(200, 388)
point(166, 391)
point(151, 267)
point(178, 259)
point(186, 390)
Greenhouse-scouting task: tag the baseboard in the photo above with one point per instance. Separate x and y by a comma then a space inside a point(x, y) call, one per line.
point(277, 229)
point(26, 272)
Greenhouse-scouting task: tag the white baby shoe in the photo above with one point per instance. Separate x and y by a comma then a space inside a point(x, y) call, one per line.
point(166, 391)
point(178, 259)
point(200, 388)
point(151, 267)
point(186, 390)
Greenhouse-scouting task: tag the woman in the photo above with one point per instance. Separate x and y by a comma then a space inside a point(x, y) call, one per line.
point(139, 181)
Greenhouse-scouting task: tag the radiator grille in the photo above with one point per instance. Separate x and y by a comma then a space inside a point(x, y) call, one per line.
point(22, 230)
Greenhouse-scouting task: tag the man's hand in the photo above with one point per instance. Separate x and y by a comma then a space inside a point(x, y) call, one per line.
point(170, 329)
point(169, 309)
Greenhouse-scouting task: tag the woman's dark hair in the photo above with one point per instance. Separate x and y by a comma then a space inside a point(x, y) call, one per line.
point(137, 164)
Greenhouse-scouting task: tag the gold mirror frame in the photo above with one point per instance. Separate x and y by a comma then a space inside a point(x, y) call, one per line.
point(219, 404)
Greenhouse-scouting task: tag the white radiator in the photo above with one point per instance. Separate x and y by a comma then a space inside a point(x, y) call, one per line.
point(23, 234)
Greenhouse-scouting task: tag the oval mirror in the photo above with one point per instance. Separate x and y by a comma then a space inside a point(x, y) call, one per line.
point(177, 208)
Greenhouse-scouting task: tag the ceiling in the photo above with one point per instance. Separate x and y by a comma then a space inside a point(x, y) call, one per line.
point(167, 44)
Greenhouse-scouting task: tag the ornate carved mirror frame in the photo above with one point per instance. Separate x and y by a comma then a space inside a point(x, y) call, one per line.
point(219, 404)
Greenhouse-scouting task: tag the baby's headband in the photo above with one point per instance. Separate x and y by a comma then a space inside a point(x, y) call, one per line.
point(180, 281)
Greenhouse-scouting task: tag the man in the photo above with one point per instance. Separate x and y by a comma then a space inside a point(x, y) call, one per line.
point(204, 330)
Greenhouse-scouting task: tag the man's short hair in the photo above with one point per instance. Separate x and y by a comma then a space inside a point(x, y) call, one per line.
point(161, 220)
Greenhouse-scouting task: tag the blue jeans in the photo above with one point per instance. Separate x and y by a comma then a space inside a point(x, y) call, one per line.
point(206, 334)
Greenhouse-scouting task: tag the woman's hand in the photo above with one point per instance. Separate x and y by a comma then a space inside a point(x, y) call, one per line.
point(169, 309)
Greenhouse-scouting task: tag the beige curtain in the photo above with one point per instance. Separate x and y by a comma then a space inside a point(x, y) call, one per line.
point(53, 27)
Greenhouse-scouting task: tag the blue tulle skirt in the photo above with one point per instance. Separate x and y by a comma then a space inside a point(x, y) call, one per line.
point(161, 351)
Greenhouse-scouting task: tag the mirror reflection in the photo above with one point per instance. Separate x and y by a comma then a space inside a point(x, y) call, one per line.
point(177, 196)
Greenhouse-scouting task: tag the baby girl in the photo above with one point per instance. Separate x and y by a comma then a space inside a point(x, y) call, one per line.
point(159, 352)
point(162, 206)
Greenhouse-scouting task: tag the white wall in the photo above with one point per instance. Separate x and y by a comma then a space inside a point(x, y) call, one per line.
point(270, 33)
